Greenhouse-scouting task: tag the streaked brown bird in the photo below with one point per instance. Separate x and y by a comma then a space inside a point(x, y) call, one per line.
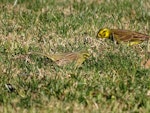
point(119, 36)
point(62, 59)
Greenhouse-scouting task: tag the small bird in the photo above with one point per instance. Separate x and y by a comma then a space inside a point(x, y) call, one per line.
point(119, 36)
point(62, 59)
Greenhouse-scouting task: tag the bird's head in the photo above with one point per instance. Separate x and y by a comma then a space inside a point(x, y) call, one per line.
point(104, 33)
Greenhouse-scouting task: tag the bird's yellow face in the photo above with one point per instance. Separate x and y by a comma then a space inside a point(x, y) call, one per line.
point(81, 58)
point(86, 55)
point(104, 33)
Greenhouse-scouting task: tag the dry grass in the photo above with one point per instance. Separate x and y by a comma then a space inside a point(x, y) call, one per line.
point(111, 80)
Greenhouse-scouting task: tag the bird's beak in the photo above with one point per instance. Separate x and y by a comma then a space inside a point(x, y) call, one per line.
point(97, 37)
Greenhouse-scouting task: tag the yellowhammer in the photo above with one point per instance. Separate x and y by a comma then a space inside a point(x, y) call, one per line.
point(118, 35)
point(66, 58)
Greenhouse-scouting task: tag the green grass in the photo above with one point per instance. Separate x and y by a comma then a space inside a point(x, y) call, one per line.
point(110, 81)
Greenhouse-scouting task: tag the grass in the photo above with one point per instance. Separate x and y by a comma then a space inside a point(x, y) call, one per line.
point(111, 80)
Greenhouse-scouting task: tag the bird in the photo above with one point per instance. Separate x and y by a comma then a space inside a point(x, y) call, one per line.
point(62, 59)
point(119, 36)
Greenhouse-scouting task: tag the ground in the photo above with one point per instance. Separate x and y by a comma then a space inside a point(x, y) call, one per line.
point(112, 80)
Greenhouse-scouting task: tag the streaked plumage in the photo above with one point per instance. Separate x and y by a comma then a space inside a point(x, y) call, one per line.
point(62, 59)
point(119, 36)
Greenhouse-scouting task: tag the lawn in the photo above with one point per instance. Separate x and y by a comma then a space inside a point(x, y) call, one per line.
point(111, 80)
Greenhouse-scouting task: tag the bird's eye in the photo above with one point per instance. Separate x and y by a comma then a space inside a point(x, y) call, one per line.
point(104, 33)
